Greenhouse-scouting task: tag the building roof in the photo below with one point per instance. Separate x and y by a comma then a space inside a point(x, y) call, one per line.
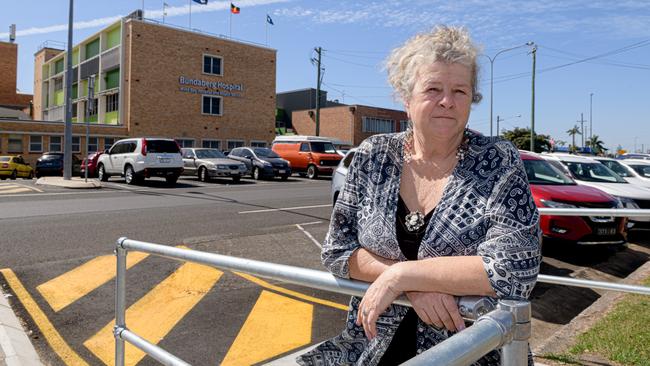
point(10, 113)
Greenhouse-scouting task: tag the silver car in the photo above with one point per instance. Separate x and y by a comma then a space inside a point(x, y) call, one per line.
point(338, 178)
point(211, 163)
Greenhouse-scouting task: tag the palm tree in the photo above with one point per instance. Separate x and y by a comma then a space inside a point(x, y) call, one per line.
point(596, 145)
point(573, 132)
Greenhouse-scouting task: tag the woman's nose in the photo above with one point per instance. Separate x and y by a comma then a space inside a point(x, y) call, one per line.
point(446, 99)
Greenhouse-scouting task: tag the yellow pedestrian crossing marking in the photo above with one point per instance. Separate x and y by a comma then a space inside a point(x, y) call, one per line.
point(154, 315)
point(277, 324)
point(52, 336)
point(13, 188)
point(75, 284)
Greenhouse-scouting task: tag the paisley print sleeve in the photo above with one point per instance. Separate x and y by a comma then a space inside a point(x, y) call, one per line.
point(511, 251)
point(341, 239)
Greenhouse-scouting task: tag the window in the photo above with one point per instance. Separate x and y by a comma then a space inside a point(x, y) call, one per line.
point(58, 84)
point(55, 143)
point(379, 125)
point(15, 143)
point(92, 107)
point(211, 105)
point(212, 65)
point(112, 102)
point(258, 143)
point(304, 146)
point(92, 49)
point(76, 144)
point(211, 144)
point(235, 143)
point(93, 144)
point(74, 110)
point(403, 125)
point(35, 143)
point(108, 142)
point(185, 142)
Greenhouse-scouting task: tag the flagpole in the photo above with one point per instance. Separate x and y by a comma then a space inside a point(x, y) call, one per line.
point(190, 14)
point(267, 30)
point(231, 21)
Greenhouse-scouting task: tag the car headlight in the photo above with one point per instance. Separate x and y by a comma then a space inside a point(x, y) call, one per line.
point(242, 167)
point(553, 204)
point(288, 163)
point(267, 164)
point(624, 202)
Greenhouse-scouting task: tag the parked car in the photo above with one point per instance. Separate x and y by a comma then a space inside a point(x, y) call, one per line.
point(92, 165)
point(635, 156)
point(51, 163)
point(140, 158)
point(625, 171)
point(640, 167)
point(552, 188)
point(308, 155)
point(262, 162)
point(338, 178)
point(211, 163)
point(590, 172)
point(13, 167)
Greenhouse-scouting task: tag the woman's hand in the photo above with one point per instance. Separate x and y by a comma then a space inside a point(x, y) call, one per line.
point(381, 293)
point(437, 309)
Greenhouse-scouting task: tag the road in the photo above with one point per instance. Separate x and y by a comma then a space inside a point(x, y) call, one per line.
point(58, 245)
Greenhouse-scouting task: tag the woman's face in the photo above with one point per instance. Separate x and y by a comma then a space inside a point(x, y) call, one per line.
point(441, 99)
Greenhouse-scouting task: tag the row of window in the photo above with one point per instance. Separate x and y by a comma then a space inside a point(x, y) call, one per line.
point(15, 143)
point(216, 144)
point(381, 125)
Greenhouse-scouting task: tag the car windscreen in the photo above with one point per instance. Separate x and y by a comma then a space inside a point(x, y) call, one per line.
point(51, 157)
point(322, 147)
point(209, 154)
point(593, 172)
point(4, 158)
point(643, 170)
point(542, 172)
point(162, 146)
point(265, 153)
point(617, 167)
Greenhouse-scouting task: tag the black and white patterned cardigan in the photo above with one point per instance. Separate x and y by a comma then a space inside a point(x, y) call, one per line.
point(486, 209)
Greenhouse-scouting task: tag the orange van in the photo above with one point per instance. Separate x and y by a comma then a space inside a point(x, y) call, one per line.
point(308, 155)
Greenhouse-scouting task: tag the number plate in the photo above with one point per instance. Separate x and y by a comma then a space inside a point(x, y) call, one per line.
point(604, 231)
point(164, 160)
point(281, 171)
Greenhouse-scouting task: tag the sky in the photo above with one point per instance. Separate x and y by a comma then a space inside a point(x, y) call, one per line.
point(598, 47)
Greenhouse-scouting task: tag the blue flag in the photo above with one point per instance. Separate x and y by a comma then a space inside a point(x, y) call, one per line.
point(269, 20)
point(202, 2)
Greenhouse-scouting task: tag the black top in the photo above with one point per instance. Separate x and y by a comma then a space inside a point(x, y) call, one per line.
point(403, 347)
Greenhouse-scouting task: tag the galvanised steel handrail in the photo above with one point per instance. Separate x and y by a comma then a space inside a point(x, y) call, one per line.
point(618, 212)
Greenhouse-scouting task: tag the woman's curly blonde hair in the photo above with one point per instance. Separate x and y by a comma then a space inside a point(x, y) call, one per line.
point(443, 43)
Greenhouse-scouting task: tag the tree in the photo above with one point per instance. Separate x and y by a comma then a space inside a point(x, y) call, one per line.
point(521, 138)
point(573, 132)
point(596, 145)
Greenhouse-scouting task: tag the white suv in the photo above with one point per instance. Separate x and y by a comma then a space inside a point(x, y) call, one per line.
point(140, 158)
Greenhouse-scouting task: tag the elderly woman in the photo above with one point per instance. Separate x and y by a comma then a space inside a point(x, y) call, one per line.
point(433, 213)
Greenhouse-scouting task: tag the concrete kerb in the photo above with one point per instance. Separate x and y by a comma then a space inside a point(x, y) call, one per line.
point(73, 183)
point(564, 338)
point(15, 347)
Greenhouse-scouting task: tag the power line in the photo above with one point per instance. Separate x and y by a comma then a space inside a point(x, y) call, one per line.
point(351, 96)
point(349, 62)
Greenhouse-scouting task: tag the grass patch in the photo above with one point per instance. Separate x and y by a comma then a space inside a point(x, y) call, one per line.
point(623, 335)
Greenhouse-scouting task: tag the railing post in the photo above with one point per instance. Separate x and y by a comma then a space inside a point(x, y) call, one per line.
point(120, 302)
point(515, 352)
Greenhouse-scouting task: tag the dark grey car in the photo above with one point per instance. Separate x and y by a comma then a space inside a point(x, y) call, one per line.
point(262, 162)
point(211, 163)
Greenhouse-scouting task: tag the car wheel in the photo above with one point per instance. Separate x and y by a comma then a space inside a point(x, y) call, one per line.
point(203, 175)
point(30, 176)
point(256, 173)
point(129, 175)
point(101, 173)
point(13, 175)
point(236, 179)
point(312, 172)
point(171, 179)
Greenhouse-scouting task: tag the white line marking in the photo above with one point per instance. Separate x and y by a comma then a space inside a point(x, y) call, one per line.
point(309, 223)
point(283, 209)
point(308, 235)
point(34, 188)
point(13, 190)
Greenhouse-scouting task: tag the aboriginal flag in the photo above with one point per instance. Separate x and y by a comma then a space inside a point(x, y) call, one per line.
point(234, 9)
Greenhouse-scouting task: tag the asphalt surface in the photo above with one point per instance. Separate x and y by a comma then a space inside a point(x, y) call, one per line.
point(48, 233)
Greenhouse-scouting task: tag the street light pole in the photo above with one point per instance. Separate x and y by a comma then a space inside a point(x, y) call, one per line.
point(67, 143)
point(532, 104)
point(591, 127)
point(492, 77)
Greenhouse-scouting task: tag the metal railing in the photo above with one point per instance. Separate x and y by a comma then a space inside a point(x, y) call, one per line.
point(507, 327)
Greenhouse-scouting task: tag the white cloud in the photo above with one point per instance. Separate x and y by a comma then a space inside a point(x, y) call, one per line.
point(151, 14)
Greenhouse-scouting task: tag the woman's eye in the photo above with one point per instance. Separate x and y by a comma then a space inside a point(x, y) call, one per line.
point(461, 91)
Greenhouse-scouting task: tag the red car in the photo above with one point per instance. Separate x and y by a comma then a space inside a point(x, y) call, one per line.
point(552, 188)
point(92, 166)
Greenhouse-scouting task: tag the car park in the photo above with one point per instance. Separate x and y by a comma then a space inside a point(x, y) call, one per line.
point(590, 172)
point(640, 167)
point(262, 162)
point(90, 163)
point(13, 167)
point(338, 178)
point(51, 163)
point(140, 158)
point(625, 171)
point(308, 155)
point(552, 188)
point(206, 164)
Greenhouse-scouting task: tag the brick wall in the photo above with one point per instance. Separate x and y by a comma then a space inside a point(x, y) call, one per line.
point(158, 56)
point(8, 72)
